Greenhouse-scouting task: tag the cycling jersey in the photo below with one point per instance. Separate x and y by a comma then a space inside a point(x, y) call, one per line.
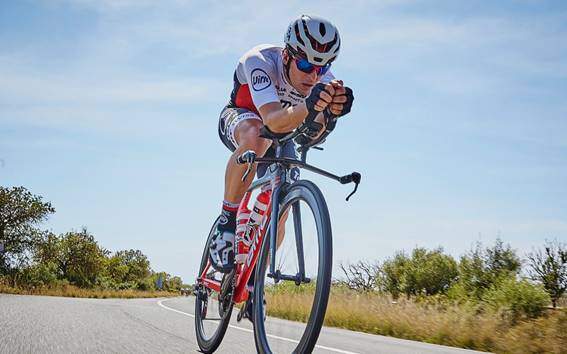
point(260, 78)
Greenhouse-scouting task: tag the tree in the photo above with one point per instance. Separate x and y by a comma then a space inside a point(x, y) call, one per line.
point(501, 259)
point(20, 214)
point(550, 268)
point(361, 276)
point(128, 269)
point(481, 268)
point(430, 272)
point(80, 258)
point(393, 274)
point(137, 263)
point(173, 284)
point(424, 273)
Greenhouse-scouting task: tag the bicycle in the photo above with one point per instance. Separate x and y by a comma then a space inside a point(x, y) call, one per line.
point(267, 254)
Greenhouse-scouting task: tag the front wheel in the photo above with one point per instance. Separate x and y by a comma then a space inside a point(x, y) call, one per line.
point(212, 309)
point(303, 257)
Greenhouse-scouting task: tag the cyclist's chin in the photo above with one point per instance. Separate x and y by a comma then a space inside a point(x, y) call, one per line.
point(304, 89)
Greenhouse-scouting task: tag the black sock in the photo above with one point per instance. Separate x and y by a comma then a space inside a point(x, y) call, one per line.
point(228, 217)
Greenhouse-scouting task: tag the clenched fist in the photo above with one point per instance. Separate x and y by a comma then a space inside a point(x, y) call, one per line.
point(341, 102)
point(320, 97)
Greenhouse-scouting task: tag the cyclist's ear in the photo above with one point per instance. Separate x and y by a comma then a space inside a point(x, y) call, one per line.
point(285, 56)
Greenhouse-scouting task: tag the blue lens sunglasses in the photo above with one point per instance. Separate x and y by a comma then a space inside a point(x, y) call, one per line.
point(305, 66)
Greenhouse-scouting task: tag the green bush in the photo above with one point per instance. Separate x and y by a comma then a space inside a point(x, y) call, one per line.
point(146, 284)
point(517, 299)
point(481, 268)
point(40, 275)
point(425, 272)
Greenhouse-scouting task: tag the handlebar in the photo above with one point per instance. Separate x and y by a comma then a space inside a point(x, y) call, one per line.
point(250, 158)
point(303, 133)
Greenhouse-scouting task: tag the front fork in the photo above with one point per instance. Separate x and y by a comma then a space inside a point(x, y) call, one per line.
point(277, 275)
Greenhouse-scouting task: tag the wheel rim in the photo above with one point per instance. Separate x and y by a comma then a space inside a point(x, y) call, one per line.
point(286, 299)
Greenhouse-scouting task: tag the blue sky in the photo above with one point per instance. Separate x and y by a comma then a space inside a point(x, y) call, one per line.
point(109, 109)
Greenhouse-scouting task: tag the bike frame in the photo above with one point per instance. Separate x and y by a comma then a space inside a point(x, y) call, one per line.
point(277, 177)
point(244, 270)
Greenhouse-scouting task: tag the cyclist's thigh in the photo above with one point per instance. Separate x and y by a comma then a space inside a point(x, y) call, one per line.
point(230, 124)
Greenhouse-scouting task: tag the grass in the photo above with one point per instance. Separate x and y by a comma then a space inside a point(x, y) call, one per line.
point(432, 321)
point(73, 291)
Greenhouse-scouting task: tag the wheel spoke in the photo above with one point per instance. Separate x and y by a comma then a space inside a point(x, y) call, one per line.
point(298, 290)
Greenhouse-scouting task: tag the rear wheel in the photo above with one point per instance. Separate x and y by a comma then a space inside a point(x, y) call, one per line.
point(212, 309)
point(306, 250)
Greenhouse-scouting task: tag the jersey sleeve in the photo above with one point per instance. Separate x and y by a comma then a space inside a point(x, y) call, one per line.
point(261, 79)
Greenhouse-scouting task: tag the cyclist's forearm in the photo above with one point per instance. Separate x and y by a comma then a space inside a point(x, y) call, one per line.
point(285, 120)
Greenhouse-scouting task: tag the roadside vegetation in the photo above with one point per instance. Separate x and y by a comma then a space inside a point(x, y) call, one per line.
point(484, 301)
point(39, 262)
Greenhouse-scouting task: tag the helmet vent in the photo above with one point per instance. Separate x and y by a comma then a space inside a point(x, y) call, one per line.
point(322, 29)
point(298, 36)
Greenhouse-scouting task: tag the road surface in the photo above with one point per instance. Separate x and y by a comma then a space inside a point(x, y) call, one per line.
point(43, 324)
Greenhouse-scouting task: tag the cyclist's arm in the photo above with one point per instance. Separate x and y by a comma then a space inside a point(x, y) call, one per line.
point(280, 120)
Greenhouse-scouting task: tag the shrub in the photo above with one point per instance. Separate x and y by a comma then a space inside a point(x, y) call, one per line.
point(517, 299)
point(424, 273)
point(549, 266)
point(40, 275)
point(481, 268)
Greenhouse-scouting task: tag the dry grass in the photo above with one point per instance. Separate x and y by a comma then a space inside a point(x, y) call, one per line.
point(433, 321)
point(73, 291)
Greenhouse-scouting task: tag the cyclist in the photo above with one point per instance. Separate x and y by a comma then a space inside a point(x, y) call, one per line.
point(275, 87)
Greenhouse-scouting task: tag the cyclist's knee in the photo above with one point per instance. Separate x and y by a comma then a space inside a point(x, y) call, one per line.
point(248, 137)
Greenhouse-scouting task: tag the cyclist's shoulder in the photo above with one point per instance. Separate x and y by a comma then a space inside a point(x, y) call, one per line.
point(263, 52)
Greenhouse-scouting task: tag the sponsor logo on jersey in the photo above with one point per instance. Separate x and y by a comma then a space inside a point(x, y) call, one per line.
point(260, 80)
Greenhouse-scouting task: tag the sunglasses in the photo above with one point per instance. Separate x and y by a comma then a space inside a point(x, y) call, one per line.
point(305, 66)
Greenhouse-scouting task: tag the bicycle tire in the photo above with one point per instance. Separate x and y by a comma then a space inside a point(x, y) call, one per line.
point(308, 192)
point(209, 345)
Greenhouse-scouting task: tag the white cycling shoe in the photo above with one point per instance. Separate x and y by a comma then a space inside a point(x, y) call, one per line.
point(221, 251)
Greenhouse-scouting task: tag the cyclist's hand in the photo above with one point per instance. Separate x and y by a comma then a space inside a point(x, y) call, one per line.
point(320, 97)
point(342, 99)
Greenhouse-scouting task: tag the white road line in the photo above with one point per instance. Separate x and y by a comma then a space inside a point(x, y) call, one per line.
point(160, 303)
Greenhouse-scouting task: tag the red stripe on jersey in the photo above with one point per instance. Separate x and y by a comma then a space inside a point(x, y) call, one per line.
point(244, 99)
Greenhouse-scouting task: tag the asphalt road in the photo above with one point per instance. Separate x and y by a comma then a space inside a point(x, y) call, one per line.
point(42, 324)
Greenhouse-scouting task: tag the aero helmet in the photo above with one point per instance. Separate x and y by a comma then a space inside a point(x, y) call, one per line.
point(314, 38)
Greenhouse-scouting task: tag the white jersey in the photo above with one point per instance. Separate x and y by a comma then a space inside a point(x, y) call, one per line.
point(260, 78)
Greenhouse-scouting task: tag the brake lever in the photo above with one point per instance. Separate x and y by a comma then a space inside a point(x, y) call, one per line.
point(249, 157)
point(356, 179)
point(351, 193)
point(248, 170)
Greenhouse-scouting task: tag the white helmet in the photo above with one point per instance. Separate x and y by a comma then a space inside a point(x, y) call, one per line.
point(314, 38)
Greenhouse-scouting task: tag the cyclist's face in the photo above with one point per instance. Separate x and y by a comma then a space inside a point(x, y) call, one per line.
point(300, 80)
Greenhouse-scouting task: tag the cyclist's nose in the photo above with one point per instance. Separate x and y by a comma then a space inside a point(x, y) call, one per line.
point(312, 77)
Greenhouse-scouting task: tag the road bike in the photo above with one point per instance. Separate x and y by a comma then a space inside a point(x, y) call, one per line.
point(292, 274)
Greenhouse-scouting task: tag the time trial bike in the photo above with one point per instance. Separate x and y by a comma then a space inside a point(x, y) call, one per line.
point(291, 257)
